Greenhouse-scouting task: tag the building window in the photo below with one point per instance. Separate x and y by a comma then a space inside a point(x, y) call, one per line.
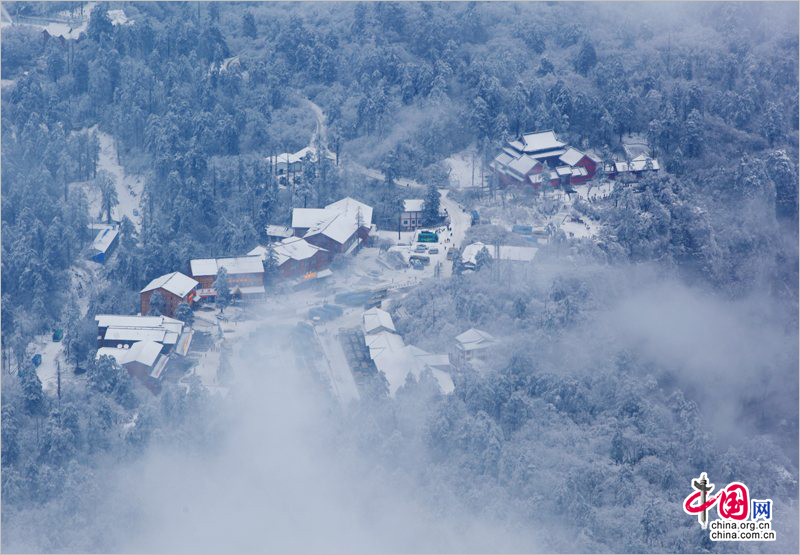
point(405, 222)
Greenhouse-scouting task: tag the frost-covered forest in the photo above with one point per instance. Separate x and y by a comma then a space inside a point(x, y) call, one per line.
point(633, 361)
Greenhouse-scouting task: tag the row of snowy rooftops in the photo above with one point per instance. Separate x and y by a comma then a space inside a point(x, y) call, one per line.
point(395, 359)
point(176, 283)
point(250, 264)
point(160, 329)
point(638, 164)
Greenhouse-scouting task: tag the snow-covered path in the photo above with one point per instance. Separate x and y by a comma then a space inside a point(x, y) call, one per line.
point(129, 187)
point(460, 221)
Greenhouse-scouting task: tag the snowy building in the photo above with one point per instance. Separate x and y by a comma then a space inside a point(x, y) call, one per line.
point(396, 360)
point(524, 162)
point(143, 360)
point(175, 288)
point(105, 241)
point(119, 331)
point(295, 256)
point(470, 346)
point(245, 276)
point(411, 218)
point(278, 232)
point(507, 253)
point(377, 320)
point(636, 168)
point(340, 227)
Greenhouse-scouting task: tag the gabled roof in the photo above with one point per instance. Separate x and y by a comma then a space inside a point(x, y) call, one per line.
point(279, 231)
point(176, 283)
point(563, 170)
point(291, 248)
point(145, 352)
point(376, 320)
point(307, 217)
point(340, 227)
point(522, 165)
point(351, 206)
point(572, 156)
point(104, 239)
point(413, 205)
point(474, 338)
point(237, 265)
point(541, 140)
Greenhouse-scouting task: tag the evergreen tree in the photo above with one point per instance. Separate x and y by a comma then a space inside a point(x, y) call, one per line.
point(430, 208)
point(249, 25)
point(223, 291)
point(184, 313)
point(270, 265)
point(483, 258)
point(99, 23)
point(108, 193)
point(158, 304)
point(587, 58)
point(32, 392)
point(773, 123)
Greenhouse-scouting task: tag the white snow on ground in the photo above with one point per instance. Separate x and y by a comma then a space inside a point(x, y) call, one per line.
point(83, 276)
point(129, 187)
point(465, 169)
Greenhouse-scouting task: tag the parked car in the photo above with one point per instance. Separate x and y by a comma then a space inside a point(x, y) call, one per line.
point(417, 264)
point(421, 248)
point(449, 255)
point(433, 250)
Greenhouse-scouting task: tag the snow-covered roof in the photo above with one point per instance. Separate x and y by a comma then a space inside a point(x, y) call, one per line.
point(119, 320)
point(279, 231)
point(548, 153)
point(522, 165)
point(503, 159)
point(351, 206)
point(250, 264)
point(542, 140)
point(339, 220)
point(104, 239)
point(144, 352)
point(440, 361)
point(291, 248)
point(286, 158)
point(563, 170)
point(637, 164)
point(396, 360)
point(135, 334)
point(376, 320)
point(474, 339)
point(307, 217)
point(340, 227)
point(118, 17)
point(413, 205)
point(176, 283)
point(579, 171)
point(538, 177)
point(250, 289)
point(572, 156)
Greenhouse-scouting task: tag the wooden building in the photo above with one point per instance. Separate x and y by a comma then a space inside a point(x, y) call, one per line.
point(175, 288)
